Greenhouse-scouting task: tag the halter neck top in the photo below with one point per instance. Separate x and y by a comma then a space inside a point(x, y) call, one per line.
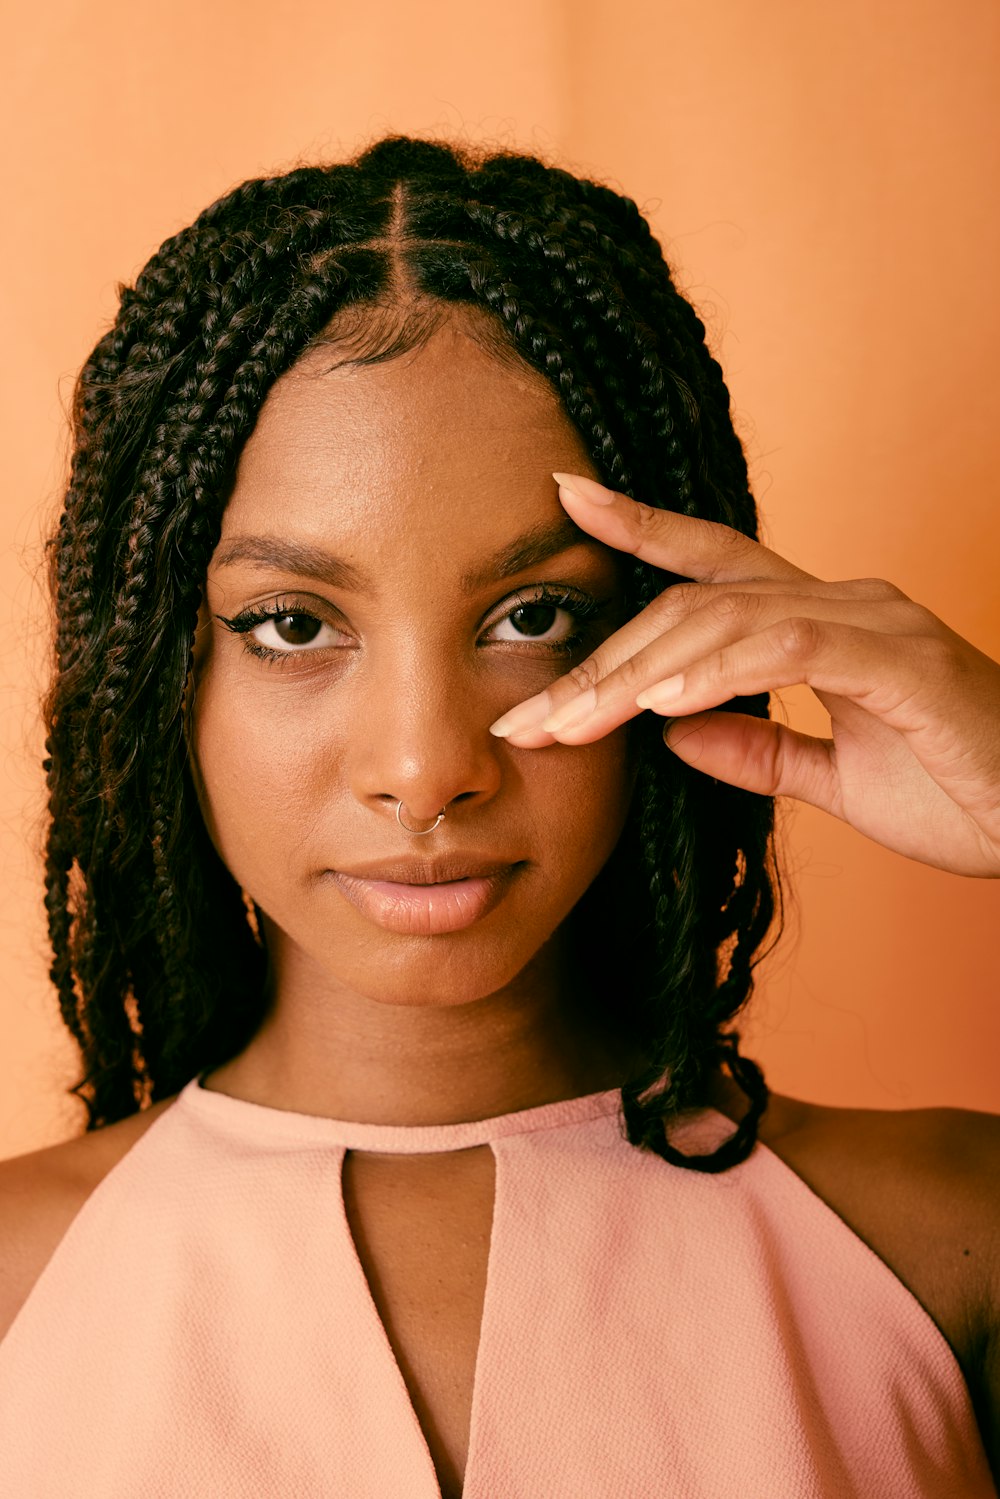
point(205, 1327)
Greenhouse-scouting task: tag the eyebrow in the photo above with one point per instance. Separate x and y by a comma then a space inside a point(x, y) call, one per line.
point(546, 540)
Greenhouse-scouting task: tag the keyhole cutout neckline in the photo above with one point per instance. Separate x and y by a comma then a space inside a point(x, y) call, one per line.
point(262, 1122)
point(447, 1440)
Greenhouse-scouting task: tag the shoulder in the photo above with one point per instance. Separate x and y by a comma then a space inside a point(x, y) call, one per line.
point(918, 1185)
point(920, 1188)
point(41, 1193)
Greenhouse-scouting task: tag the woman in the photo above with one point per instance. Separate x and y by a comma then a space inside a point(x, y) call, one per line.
point(401, 490)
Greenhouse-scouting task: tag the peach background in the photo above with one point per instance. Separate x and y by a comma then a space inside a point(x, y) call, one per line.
point(823, 179)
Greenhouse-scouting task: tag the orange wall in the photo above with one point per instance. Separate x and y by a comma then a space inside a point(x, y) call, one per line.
point(824, 180)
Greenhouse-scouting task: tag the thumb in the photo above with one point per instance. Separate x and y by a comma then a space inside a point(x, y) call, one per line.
point(756, 754)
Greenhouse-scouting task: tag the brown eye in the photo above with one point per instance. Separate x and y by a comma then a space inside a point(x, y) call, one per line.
point(296, 629)
point(278, 634)
point(533, 619)
point(289, 633)
point(557, 618)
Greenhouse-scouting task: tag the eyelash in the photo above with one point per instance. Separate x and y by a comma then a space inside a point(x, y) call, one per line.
point(580, 605)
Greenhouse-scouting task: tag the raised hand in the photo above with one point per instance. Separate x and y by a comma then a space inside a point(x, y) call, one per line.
point(913, 761)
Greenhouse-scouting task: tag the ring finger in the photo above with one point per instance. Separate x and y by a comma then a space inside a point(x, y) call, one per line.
point(724, 620)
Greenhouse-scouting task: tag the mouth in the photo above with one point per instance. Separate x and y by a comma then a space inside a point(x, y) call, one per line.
point(430, 908)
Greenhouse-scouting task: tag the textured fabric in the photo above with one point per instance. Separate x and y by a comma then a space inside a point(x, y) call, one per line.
point(205, 1329)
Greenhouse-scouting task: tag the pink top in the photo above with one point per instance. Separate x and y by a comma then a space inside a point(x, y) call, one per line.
point(205, 1328)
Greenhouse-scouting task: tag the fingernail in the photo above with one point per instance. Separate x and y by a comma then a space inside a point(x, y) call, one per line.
point(661, 694)
point(580, 487)
point(527, 715)
point(573, 712)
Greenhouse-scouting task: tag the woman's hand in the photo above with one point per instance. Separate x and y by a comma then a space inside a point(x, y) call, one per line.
point(914, 758)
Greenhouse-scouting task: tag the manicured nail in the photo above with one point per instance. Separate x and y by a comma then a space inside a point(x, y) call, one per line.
point(527, 715)
point(661, 694)
point(578, 486)
point(575, 711)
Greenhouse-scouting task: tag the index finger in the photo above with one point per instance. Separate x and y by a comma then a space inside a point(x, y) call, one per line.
point(703, 550)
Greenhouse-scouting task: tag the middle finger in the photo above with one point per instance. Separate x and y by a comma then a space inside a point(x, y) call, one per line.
point(599, 696)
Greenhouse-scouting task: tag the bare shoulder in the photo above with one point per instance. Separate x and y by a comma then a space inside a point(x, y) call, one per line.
point(41, 1193)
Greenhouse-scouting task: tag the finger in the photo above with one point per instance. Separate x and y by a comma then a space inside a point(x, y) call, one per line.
point(680, 600)
point(649, 625)
point(681, 544)
point(685, 620)
point(884, 675)
point(758, 755)
point(578, 707)
point(872, 671)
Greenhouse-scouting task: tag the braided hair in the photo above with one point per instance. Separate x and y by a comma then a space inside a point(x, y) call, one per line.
point(157, 955)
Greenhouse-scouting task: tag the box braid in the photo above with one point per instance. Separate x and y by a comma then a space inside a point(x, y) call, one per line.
point(157, 956)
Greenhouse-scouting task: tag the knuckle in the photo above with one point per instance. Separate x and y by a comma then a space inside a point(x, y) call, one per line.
point(799, 636)
point(584, 676)
point(733, 541)
point(920, 620)
point(937, 658)
point(731, 607)
point(729, 546)
point(877, 589)
point(677, 601)
point(684, 595)
point(647, 520)
point(632, 673)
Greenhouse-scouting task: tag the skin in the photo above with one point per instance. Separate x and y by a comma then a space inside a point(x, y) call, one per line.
point(415, 471)
point(913, 761)
point(299, 769)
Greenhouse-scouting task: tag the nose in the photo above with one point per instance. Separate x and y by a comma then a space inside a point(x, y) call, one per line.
point(429, 748)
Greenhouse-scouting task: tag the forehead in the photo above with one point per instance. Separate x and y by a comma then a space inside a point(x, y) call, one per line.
point(443, 444)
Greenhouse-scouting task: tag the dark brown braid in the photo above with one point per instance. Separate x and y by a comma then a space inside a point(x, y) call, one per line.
point(156, 956)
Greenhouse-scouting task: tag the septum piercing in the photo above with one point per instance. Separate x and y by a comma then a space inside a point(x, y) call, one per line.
point(399, 819)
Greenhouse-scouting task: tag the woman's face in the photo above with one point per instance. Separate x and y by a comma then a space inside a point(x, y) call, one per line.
point(406, 483)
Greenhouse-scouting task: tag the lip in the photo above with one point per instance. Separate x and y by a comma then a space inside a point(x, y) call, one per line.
point(426, 910)
point(456, 865)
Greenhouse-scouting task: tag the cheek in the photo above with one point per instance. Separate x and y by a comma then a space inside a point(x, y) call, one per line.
point(576, 800)
point(253, 775)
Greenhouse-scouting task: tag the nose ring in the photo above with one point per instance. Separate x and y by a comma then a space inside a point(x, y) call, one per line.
point(399, 819)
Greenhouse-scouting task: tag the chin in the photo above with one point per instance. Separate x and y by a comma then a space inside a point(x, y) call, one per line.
point(429, 976)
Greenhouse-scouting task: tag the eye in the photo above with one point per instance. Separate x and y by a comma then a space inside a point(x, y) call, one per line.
point(291, 632)
point(535, 617)
point(280, 631)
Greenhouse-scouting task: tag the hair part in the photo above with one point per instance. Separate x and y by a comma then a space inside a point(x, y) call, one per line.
point(157, 957)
